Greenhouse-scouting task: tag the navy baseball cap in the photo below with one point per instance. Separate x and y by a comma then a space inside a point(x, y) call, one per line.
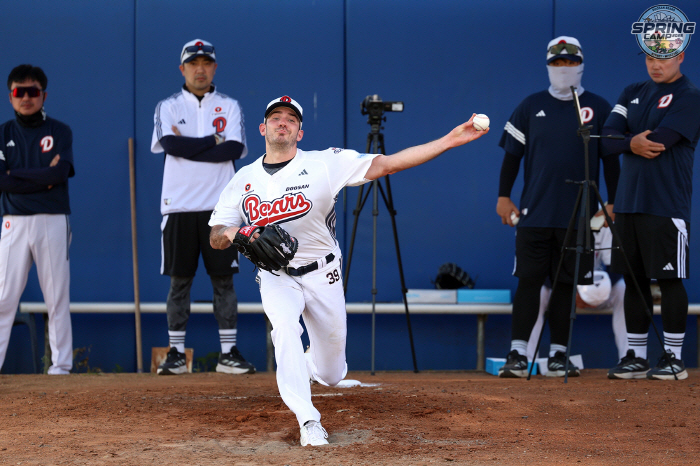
point(285, 101)
point(564, 47)
point(195, 48)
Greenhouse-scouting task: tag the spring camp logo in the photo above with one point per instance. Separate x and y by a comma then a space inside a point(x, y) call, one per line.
point(663, 31)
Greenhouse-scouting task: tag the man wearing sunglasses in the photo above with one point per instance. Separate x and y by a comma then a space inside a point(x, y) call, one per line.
point(542, 133)
point(202, 134)
point(36, 160)
point(661, 124)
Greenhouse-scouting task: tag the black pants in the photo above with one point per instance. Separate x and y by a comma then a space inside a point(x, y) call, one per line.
point(225, 302)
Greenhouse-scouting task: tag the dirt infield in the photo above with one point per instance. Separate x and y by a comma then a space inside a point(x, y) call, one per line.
point(406, 419)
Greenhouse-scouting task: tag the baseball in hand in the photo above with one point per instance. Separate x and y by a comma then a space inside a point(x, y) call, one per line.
point(481, 122)
point(514, 218)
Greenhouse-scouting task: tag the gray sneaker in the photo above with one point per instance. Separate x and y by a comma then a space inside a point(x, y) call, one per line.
point(234, 363)
point(629, 367)
point(664, 371)
point(515, 366)
point(556, 366)
point(175, 363)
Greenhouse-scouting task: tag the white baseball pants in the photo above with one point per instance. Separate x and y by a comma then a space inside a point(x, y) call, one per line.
point(614, 302)
point(318, 297)
point(43, 239)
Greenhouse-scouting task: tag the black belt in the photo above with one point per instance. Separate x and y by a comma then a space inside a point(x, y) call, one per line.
point(298, 272)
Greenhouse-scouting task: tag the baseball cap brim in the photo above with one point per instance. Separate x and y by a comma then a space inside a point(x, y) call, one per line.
point(193, 56)
point(285, 101)
point(574, 58)
point(202, 45)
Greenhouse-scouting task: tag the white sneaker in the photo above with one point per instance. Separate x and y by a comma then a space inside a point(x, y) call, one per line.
point(313, 434)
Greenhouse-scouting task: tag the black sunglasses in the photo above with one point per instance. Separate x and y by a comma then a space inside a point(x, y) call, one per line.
point(556, 49)
point(208, 49)
point(22, 91)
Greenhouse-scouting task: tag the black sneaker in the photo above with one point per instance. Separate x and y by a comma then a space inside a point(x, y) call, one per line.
point(629, 367)
point(663, 371)
point(516, 366)
point(234, 363)
point(556, 366)
point(174, 364)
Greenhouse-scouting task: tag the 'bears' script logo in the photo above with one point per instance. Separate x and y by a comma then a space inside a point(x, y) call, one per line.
point(284, 209)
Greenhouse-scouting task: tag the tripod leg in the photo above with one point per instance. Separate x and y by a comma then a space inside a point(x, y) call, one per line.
point(375, 213)
point(555, 280)
point(371, 142)
point(583, 228)
point(356, 213)
point(583, 236)
point(389, 202)
point(375, 145)
point(376, 140)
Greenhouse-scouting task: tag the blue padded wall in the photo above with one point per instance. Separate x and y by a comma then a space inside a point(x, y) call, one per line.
point(109, 63)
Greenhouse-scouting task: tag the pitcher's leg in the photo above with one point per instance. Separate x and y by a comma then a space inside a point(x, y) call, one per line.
point(325, 318)
point(283, 302)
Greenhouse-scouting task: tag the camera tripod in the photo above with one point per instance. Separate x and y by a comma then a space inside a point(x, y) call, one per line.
point(582, 211)
point(375, 145)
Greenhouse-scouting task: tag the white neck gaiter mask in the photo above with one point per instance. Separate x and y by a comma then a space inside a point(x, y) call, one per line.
point(561, 79)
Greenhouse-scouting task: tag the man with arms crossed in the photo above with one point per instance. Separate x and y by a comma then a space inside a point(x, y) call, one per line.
point(36, 160)
point(661, 121)
point(201, 132)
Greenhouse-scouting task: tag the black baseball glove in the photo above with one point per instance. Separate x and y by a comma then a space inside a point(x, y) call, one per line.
point(271, 251)
point(451, 277)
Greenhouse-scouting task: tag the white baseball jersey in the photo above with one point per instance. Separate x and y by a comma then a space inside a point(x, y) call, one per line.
point(190, 186)
point(300, 197)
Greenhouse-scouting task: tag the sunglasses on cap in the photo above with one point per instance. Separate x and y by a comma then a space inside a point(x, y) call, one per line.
point(208, 49)
point(22, 91)
point(571, 49)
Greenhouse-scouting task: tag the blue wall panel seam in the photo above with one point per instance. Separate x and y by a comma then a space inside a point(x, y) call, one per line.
point(344, 242)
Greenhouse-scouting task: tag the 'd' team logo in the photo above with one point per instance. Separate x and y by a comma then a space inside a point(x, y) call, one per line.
point(219, 124)
point(663, 31)
point(46, 143)
point(665, 101)
point(284, 209)
point(586, 114)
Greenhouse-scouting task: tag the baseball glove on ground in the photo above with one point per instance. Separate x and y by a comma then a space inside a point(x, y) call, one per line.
point(271, 251)
point(451, 277)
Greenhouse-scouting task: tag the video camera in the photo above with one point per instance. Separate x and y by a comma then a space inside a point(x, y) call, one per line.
point(375, 108)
